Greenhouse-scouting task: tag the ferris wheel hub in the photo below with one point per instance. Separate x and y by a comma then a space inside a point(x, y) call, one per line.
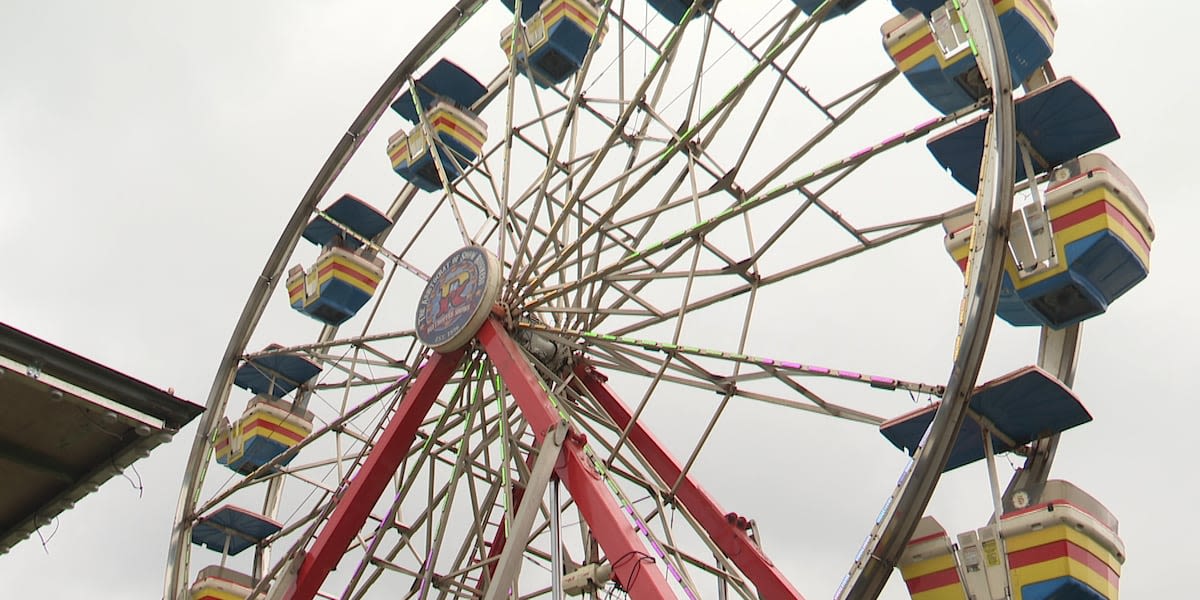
point(458, 298)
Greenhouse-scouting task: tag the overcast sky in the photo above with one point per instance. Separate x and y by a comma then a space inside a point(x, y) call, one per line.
point(151, 152)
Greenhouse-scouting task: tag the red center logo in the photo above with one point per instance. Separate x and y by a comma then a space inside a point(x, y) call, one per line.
point(457, 298)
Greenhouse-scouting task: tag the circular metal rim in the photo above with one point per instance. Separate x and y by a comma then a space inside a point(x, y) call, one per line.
point(273, 270)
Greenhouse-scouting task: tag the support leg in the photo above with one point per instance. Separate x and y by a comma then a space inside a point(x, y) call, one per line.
point(733, 541)
point(595, 502)
point(372, 478)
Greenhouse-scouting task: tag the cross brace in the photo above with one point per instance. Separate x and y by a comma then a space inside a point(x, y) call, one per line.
point(614, 531)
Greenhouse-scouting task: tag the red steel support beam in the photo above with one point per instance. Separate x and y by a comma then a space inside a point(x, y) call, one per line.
point(732, 540)
point(364, 490)
point(609, 523)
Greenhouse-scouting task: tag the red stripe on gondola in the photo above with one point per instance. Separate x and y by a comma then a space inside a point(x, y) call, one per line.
point(932, 581)
point(913, 48)
point(1062, 549)
point(1095, 209)
point(445, 122)
point(931, 536)
point(587, 19)
point(348, 271)
point(272, 427)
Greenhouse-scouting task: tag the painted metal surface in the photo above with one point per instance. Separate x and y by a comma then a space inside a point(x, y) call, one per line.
point(733, 541)
point(905, 506)
point(368, 483)
point(458, 298)
point(609, 523)
point(175, 583)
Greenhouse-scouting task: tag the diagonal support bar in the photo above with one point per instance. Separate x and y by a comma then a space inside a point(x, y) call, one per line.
point(500, 540)
point(510, 559)
point(733, 541)
point(613, 530)
point(364, 490)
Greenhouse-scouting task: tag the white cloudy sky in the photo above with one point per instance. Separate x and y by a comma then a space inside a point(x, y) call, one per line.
point(151, 152)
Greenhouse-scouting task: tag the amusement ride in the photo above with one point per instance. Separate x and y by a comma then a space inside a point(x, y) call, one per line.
point(612, 226)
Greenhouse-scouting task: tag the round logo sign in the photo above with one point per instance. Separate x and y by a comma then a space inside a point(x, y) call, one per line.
point(457, 299)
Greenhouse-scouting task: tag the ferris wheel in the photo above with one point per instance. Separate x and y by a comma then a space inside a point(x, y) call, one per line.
point(623, 235)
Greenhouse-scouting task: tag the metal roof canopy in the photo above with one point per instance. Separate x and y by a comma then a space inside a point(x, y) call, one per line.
point(67, 425)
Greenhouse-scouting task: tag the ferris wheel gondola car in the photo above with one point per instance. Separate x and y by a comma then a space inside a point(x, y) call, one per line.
point(1061, 546)
point(840, 7)
point(1090, 242)
point(1009, 306)
point(270, 425)
point(1101, 232)
point(347, 272)
point(229, 530)
point(928, 564)
point(460, 136)
point(215, 582)
point(266, 429)
point(674, 10)
point(553, 40)
point(1066, 546)
point(931, 47)
point(1095, 248)
point(442, 103)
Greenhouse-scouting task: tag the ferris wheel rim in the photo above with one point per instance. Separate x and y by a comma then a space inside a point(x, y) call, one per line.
point(257, 300)
point(178, 550)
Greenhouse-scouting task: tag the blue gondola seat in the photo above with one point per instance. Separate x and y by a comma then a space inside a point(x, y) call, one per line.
point(347, 272)
point(267, 428)
point(932, 48)
point(554, 39)
point(1070, 261)
point(674, 10)
point(441, 102)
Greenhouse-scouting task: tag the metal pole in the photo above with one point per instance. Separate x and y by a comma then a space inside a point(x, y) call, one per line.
point(556, 564)
point(998, 507)
point(518, 535)
point(1058, 352)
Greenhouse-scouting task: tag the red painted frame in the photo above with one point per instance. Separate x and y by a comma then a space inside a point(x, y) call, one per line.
point(369, 482)
point(613, 529)
point(733, 541)
point(610, 525)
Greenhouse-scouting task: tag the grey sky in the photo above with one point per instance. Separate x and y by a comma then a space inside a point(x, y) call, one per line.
point(151, 152)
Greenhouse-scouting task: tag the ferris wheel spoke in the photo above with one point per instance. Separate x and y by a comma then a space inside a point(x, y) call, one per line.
point(444, 495)
point(641, 357)
point(839, 170)
point(658, 73)
point(691, 236)
point(641, 205)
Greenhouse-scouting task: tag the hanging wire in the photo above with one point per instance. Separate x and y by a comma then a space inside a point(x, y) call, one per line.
point(45, 540)
point(137, 485)
point(641, 558)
